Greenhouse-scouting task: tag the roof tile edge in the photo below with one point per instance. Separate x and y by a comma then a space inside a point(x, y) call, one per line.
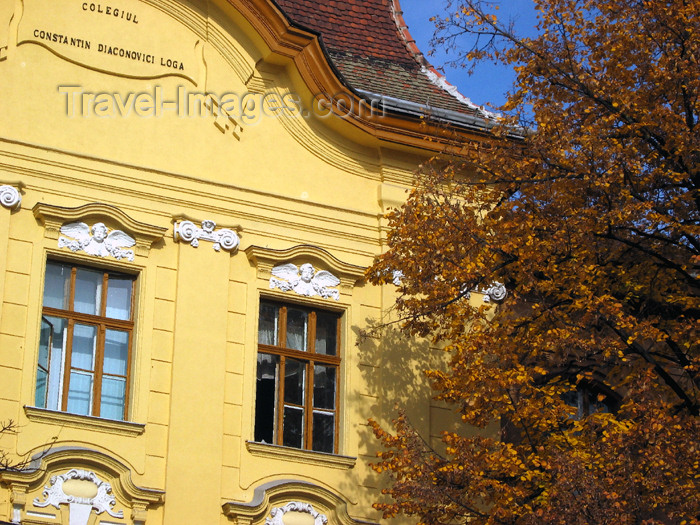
point(433, 75)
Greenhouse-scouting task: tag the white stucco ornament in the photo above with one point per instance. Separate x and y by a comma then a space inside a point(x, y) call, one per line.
point(10, 197)
point(277, 513)
point(305, 281)
point(97, 241)
point(189, 232)
point(80, 508)
point(494, 292)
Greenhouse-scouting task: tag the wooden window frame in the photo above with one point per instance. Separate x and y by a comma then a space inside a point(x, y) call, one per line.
point(310, 358)
point(102, 323)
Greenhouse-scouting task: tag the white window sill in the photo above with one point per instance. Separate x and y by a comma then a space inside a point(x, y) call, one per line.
point(308, 457)
point(110, 426)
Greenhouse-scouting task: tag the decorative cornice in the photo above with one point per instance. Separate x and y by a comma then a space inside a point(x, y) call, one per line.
point(285, 491)
point(320, 219)
point(10, 197)
point(329, 149)
point(265, 259)
point(54, 217)
point(182, 14)
point(307, 457)
point(230, 53)
point(110, 426)
point(46, 463)
point(356, 160)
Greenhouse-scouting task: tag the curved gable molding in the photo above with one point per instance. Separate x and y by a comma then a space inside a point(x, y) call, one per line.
point(62, 463)
point(274, 499)
point(265, 259)
point(54, 217)
point(282, 43)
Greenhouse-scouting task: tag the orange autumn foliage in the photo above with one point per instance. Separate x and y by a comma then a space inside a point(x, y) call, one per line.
point(589, 213)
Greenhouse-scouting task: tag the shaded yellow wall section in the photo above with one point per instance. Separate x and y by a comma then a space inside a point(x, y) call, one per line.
point(278, 178)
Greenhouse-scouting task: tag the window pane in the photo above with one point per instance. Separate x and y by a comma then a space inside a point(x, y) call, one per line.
point(84, 341)
point(42, 377)
point(294, 381)
point(324, 432)
point(42, 373)
point(597, 406)
point(56, 362)
point(267, 325)
point(293, 435)
point(119, 297)
point(113, 397)
point(44, 342)
point(324, 386)
point(266, 398)
point(116, 352)
point(56, 285)
point(326, 328)
point(80, 393)
point(88, 291)
point(297, 321)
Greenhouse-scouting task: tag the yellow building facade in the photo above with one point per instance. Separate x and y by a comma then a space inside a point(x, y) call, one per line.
point(191, 191)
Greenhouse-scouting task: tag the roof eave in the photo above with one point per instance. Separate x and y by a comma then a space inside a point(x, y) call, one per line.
point(465, 120)
point(287, 41)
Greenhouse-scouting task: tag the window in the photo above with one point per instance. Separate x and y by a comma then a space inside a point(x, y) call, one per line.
point(85, 342)
point(586, 397)
point(297, 379)
point(591, 397)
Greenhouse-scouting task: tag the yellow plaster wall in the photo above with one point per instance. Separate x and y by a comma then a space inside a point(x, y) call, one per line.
point(282, 182)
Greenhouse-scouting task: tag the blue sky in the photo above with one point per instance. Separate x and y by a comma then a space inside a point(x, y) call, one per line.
point(489, 83)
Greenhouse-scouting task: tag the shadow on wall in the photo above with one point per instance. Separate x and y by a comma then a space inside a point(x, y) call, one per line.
point(392, 365)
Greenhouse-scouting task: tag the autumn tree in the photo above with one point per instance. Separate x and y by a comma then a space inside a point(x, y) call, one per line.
point(587, 207)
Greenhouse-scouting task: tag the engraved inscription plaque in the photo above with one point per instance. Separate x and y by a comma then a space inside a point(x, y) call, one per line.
point(124, 37)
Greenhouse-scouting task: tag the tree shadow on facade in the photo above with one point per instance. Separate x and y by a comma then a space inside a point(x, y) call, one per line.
point(392, 366)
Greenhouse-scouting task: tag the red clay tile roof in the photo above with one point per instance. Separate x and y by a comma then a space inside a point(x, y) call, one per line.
point(370, 46)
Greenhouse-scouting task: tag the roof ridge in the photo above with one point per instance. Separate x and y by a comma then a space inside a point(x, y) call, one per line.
point(408, 40)
point(433, 75)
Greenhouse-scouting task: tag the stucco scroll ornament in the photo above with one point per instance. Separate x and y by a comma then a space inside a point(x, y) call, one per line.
point(277, 513)
point(189, 232)
point(494, 292)
point(10, 197)
point(96, 241)
point(80, 507)
point(305, 280)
